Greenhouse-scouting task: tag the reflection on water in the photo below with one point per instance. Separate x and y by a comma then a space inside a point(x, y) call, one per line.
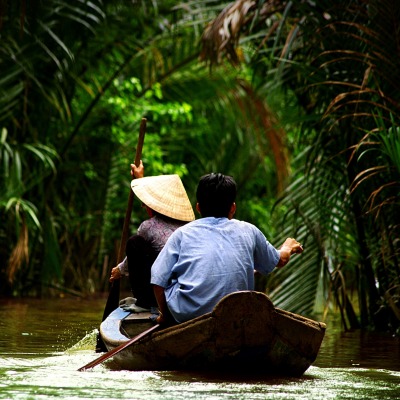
point(359, 349)
point(43, 343)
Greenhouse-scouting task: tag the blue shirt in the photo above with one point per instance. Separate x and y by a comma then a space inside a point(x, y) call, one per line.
point(207, 259)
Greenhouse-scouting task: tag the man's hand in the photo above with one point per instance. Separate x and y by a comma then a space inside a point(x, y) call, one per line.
point(165, 320)
point(137, 172)
point(290, 246)
point(161, 319)
point(115, 274)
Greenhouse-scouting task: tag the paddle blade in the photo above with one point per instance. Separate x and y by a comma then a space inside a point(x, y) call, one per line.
point(113, 299)
point(111, 305)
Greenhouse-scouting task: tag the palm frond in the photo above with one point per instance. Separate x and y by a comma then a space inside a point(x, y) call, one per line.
point(318, 206)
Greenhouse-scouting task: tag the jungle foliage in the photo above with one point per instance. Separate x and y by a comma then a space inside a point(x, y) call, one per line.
point(298, 100)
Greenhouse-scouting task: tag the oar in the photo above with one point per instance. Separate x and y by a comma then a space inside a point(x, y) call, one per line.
point(113, 296)
point(121, 347)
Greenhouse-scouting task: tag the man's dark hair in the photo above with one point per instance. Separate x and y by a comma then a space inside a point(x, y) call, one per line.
point(215, 194)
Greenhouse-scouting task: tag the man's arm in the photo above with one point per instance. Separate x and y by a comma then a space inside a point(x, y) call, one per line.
point(290, 246)
point(165, 317)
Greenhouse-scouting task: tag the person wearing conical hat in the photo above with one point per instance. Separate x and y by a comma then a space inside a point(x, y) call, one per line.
point(169, 208)
point(213, 256)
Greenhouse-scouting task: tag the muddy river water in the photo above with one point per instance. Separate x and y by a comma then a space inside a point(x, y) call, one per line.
point(44, 342)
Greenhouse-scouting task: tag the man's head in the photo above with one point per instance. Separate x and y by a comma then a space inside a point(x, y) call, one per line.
point(216, 194)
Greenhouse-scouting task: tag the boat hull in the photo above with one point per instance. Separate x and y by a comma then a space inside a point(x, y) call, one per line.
point(245, 332)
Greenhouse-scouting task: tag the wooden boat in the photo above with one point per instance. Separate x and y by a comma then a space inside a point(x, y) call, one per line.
point(244, 332)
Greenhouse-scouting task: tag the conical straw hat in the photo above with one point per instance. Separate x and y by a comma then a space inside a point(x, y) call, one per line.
point(164, 194)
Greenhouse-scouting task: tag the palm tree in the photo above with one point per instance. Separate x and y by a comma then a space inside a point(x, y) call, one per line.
point(36, 64)
point(58, 60)
point(340, 61)
point(82, 63)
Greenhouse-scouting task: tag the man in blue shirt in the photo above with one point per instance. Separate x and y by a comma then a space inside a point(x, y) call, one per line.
point(213, 256)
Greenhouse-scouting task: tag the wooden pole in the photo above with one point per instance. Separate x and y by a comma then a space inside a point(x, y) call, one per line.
point(113, 296)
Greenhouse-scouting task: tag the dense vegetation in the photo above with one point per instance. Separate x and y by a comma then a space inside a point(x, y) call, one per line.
point(298, 100)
